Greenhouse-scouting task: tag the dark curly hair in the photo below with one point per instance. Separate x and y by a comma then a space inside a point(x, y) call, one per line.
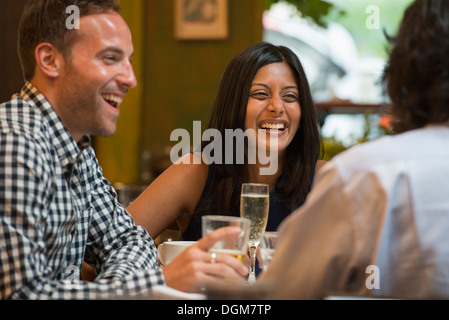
point(417, 74)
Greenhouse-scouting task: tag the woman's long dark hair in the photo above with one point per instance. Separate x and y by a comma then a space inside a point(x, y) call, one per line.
point(417, 73)
point(229, 113)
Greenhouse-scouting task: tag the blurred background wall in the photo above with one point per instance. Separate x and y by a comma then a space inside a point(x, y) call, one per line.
point(178, 80)
point(341, 44)
point(10, 71)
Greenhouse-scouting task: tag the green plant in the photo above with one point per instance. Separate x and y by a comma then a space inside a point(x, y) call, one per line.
point(317, 10)
point(333, 146)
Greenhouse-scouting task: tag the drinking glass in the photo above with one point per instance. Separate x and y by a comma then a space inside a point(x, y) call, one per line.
point(254, 204)
point(235, 246)
point(268, 244)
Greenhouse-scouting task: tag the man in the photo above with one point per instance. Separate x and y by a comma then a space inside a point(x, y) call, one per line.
point(376, 222)
point(56, 208)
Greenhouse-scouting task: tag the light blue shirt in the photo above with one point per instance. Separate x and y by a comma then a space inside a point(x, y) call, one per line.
point(375, 223)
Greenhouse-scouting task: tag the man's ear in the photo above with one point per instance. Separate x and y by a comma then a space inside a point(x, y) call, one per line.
point(48, 59)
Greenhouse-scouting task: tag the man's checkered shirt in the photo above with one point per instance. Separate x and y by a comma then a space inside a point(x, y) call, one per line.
point(57, 209)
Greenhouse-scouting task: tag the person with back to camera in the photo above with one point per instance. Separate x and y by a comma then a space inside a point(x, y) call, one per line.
point(56, 208)
point(376, 222)
point(263, 89)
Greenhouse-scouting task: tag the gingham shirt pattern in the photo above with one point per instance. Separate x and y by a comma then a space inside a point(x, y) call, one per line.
point(57, 209)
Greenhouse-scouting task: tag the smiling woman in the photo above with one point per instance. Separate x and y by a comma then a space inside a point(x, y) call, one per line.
point(273, 105)
point(263, 89)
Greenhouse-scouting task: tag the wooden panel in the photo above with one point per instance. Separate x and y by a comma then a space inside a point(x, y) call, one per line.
point(119, 155)
point(11, 79)
point(182, 76)
point(177, 85)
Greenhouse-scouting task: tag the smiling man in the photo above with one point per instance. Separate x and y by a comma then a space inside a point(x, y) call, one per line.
point(91, 82)
point(56, 208)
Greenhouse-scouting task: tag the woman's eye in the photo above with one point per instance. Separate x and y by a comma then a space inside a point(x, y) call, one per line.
point(290, 97)
point(259, 95)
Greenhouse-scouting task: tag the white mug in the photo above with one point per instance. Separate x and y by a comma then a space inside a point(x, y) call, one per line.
point(168, 250)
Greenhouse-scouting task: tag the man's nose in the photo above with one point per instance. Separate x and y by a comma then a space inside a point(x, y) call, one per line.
point(127, 78)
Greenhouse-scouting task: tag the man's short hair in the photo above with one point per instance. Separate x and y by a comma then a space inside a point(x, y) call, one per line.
point(45, 21)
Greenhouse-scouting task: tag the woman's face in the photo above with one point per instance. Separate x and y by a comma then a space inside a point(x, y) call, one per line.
point(273, 106)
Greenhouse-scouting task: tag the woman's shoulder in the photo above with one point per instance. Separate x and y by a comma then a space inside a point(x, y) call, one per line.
point(190, 166)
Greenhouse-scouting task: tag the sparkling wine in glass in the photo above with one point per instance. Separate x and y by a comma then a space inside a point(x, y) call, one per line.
point(254, 204)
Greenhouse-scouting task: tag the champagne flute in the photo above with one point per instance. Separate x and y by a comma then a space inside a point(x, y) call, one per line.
point(254, 204)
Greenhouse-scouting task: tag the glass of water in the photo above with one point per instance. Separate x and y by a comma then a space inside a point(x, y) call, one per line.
point(268, 244)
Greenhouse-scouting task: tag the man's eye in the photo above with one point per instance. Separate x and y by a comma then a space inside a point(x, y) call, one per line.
point(110, 58)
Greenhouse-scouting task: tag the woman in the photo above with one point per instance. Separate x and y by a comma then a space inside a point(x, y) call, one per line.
point(264, 89)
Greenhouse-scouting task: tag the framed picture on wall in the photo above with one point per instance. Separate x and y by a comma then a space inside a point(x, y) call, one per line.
point(201, 19)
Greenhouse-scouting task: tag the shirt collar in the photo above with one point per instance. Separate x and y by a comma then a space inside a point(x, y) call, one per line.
point(68, 149)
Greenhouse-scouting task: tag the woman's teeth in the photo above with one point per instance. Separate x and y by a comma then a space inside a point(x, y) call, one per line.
point(273, 126)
